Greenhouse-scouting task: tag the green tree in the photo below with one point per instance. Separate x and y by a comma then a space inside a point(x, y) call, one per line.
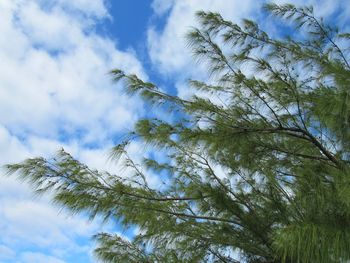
point(264, 173)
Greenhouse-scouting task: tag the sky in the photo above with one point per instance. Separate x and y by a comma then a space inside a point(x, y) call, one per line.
point(55, 92)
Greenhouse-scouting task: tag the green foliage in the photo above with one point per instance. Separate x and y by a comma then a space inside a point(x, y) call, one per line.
point(263, 174)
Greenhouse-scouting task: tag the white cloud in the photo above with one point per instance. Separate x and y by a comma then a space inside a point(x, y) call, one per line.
point(30, 221)
point(96, 8)
point(30, 257)
point(55, 92)
point(168, 48)
point(322, 8)
point(33, 222)
point(171, 55)
point(54, 77)
point(160, 7)
point(54, 29)
point(6, 253)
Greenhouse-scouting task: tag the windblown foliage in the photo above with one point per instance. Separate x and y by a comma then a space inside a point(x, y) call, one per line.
point(263, 174)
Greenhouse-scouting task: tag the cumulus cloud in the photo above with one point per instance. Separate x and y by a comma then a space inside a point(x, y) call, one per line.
point(55, 92)
point(55, 75)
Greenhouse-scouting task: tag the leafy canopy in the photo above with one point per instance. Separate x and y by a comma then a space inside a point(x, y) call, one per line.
point(259, 167)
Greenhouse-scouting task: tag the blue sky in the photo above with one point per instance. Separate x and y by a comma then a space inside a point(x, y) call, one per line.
point(129, 23)
point(55, 92)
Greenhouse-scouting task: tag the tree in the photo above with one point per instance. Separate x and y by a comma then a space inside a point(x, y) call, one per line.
point(263, 173)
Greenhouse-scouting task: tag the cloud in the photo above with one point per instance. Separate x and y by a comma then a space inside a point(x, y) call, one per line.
point(168, 48)
point(30, 257)
point(49, 230)
point(55, 75)
point(55, 92)
point(90, 8)
point(323, 8)
point(160, 7)
point(6, 253)
point(33, 223)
